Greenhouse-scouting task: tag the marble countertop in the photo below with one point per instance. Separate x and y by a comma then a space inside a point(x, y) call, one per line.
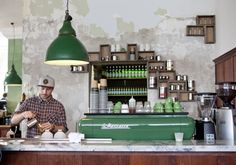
point(116, 146)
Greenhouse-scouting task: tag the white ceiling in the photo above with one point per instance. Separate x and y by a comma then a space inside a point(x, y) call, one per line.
point(11, 11)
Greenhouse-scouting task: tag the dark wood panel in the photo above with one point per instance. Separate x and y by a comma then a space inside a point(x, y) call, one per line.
point(201, 159)
point(219, 72)
point(150, 159)
point(229, 69)
point(58, 158)
point(117, 158)
point(19, 158)
point(104, 158)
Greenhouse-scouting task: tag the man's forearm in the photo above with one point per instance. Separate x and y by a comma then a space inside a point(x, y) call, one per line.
point(17, 118)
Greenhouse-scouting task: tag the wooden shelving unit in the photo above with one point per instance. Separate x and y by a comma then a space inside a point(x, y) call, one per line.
point(102, 66)
point(205, 27)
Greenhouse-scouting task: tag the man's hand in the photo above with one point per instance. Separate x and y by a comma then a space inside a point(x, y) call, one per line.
point(28, 114)
point(17, 118)
point(46, 126)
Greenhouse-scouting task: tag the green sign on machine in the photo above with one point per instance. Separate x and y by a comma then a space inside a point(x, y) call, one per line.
point(137, 126)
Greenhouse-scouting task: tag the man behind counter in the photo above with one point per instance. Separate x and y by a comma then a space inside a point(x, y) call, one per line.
point(49, 112)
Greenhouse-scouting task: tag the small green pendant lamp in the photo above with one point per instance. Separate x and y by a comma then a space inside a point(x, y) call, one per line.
point(12, 78)
point(66, 49)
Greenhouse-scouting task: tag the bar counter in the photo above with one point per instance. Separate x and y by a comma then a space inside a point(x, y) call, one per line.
point(117, 146)
point(31, 151)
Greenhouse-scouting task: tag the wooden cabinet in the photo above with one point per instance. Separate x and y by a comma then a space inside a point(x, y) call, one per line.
point(225, 68)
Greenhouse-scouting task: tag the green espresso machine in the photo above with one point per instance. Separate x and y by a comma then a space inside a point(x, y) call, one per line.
point(145, 126)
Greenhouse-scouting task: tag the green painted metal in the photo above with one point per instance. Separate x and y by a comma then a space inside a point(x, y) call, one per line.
point(136, 127)
point(66, 49)
point(13, 79)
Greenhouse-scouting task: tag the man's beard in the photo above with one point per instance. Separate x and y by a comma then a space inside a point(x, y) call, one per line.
point(44, 97)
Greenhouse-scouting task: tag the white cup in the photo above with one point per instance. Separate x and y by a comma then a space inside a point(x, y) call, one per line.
point(179, 136)
point(75, 137)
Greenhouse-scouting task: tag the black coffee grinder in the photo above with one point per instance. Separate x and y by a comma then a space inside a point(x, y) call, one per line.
point(226, 115)
point(205, 127)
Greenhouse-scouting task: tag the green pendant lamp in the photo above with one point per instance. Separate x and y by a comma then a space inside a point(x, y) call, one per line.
point(12, 78)
point(66, 49)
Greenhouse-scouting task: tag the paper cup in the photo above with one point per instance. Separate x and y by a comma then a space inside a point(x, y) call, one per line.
point(179, 136)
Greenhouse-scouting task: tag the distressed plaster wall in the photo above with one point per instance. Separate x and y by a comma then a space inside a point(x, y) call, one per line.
point(225, 31)
point(160, 23)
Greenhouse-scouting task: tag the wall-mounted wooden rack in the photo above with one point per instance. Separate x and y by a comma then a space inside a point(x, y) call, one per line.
point(205, 27)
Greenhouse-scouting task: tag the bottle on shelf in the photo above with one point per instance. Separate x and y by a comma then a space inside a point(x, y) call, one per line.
point(132, 54)
point(132, 105)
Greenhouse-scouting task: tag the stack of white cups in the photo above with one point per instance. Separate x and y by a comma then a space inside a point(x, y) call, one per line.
point(94, 98)
point(103, 97)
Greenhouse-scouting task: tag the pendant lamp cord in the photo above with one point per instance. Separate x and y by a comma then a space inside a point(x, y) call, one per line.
point(67, 17)
point(14, 42)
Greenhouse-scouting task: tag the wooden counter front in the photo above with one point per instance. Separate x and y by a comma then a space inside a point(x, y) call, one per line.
point(117, 158)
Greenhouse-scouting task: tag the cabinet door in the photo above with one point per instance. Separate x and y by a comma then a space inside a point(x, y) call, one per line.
point(229, 69)
point(225, 70)
point(219, 72)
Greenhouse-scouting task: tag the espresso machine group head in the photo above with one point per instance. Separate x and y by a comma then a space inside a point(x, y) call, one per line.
point(226, 115)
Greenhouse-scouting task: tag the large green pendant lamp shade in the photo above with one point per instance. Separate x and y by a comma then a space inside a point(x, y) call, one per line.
point(66, 49)
point(12, 78)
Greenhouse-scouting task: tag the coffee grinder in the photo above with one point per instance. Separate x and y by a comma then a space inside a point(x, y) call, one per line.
point(226, 115)
point(205, 127)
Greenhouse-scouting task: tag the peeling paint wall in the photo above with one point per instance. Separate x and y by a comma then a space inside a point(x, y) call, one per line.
point(160, 23)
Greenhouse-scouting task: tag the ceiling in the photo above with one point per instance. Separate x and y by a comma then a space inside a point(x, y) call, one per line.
point(11, 11)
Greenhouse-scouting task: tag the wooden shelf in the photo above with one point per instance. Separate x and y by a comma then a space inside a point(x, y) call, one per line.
point(94, 56)
point(79, 68)
point(205, 27)
point(205, 20)
point(209, 34)
point(193, 30)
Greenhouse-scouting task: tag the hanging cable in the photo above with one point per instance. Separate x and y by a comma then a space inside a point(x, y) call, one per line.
point(67, 17)
point(14, 42)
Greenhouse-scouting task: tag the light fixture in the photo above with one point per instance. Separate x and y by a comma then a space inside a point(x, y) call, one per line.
point(66, 49)
point(12, 78)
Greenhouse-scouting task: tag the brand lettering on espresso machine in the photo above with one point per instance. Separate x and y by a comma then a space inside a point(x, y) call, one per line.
point(115, 126)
